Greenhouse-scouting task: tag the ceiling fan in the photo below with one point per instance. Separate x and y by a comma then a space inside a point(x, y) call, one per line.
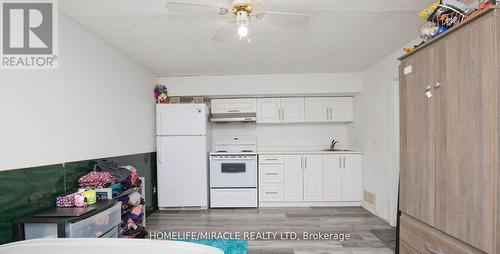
point(239, 15)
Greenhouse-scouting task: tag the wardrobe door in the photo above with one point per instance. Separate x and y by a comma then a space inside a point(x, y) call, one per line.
point(466, 141)
point(417, 136)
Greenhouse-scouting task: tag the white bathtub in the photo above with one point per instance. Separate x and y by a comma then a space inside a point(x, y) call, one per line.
point(105, 246)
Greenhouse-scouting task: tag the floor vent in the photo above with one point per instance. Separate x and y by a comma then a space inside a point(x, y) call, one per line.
point(369, 198)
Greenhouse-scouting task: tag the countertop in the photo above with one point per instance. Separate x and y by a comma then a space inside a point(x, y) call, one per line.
point(307, 152)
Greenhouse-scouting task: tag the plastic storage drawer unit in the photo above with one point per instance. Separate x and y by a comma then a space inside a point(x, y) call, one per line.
point(101, 222)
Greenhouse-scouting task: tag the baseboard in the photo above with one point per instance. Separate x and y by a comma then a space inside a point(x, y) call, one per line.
point(310, 204)
point(369, 207)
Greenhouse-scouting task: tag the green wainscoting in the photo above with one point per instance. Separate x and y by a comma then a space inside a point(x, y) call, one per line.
point(26, 191)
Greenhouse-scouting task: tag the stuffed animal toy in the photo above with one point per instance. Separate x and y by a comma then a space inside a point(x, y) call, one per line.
point(79, 200)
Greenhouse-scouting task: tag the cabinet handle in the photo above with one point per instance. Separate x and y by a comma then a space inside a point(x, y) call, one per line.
point(340, 162)
point(282, 114)
point(271, 192)
point(429, 248)
point(331, 113)
point(327, 114)
point(301, 162)
point(234, 111)
point(305, 162)
point(271, 159)
point(344, 163)
point(271, 174)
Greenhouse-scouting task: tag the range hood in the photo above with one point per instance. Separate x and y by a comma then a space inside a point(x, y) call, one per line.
point(233, 117)
point(233, 110)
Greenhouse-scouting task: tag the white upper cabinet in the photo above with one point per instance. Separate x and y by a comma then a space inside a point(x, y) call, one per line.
point(222, 106)
point(292, 110)
point(317, 109)
point(342, 109)
point(269, 110)
point(329, 109)
point(280, 110)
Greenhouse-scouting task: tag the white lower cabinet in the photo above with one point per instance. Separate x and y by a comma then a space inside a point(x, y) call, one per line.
point(294, 178)
point(332, 182)
point(351, 178)
point(312, 179)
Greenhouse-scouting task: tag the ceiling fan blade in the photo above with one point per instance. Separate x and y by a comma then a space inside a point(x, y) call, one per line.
point(225, 32)
point(284, 17)
point(191, 8)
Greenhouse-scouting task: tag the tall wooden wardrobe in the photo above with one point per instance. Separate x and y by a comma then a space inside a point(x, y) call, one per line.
point(449, 112)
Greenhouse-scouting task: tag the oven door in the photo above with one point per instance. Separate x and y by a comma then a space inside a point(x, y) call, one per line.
point(233, 172)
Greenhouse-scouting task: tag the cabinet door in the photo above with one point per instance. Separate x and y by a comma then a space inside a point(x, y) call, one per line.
point(351, 178)
point(313, 178)
point(331, 177)
point(341, 109)
point(292, 110)
point(466, 140)
point(317, 109)
point(269, 110)
point(222, 106)
point(417, 137)
point(294, 178)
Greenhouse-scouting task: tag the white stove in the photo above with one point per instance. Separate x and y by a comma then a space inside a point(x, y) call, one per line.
point(233, 172)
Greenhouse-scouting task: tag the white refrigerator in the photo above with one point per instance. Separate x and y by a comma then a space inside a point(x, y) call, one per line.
point(182, 155)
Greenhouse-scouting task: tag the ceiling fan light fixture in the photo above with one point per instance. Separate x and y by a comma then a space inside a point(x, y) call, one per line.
point(243, 30)
point(242, 20)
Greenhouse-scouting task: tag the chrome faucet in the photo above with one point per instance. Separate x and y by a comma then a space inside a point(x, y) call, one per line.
point(332, 145)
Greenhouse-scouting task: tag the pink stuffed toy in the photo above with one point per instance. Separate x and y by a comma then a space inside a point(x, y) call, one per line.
point(79, 200)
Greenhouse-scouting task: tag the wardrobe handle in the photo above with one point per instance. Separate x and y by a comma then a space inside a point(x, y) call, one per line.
point(429, 248)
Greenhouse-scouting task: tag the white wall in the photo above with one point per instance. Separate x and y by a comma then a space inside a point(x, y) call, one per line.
point(376, 133)
point(259, 85)
point(97, 104)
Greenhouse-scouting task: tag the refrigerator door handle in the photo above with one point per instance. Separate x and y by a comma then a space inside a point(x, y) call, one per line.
point(158, 150)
